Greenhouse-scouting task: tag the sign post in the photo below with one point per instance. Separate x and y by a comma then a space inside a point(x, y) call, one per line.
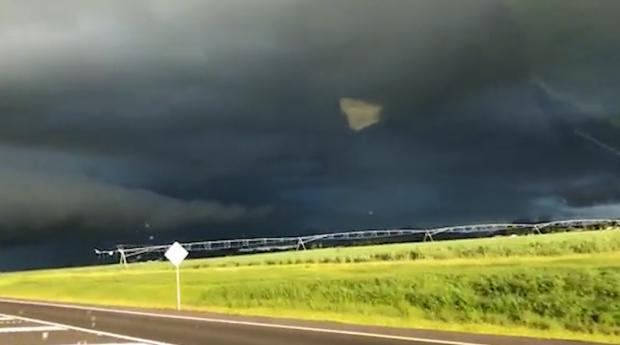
point(176, 254)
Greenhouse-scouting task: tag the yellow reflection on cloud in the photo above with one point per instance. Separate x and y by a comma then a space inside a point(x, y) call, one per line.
point(360, 114)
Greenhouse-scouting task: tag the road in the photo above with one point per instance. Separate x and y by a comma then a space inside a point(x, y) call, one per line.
point(41, 323)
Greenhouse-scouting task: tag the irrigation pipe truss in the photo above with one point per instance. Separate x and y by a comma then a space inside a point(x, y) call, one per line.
point(299, 242)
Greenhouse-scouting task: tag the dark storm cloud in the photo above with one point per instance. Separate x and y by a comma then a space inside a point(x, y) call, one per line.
point(32, 202)
point(228, 116)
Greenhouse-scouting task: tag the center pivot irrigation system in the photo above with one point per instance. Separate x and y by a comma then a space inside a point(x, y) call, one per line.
point(265, 244)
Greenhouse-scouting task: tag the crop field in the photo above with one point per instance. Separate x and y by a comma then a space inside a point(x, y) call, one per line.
point(564, 285)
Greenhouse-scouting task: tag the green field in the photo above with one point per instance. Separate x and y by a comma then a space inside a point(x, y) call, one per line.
point(561, 285)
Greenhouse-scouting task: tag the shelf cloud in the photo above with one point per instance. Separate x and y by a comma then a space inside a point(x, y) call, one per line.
point(211, 119)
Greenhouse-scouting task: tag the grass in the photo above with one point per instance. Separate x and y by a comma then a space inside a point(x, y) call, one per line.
point(562, 285)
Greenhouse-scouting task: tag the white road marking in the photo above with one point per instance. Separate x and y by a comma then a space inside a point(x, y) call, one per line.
point(243, 323)
point(96, 332)
point(10, 322)
point(5, 318)
point(31, 329)
point(111, 344)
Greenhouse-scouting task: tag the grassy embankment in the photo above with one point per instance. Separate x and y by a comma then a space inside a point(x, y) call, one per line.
point(562, 285)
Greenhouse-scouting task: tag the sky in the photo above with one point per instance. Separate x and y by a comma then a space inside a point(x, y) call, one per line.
point(153, 121)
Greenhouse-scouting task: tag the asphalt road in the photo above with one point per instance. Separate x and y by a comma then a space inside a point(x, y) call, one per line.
point(38, 323)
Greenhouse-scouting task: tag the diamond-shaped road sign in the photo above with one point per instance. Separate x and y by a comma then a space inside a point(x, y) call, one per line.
point(176, 254)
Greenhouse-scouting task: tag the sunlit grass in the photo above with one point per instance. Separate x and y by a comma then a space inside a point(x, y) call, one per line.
point(562, 285)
